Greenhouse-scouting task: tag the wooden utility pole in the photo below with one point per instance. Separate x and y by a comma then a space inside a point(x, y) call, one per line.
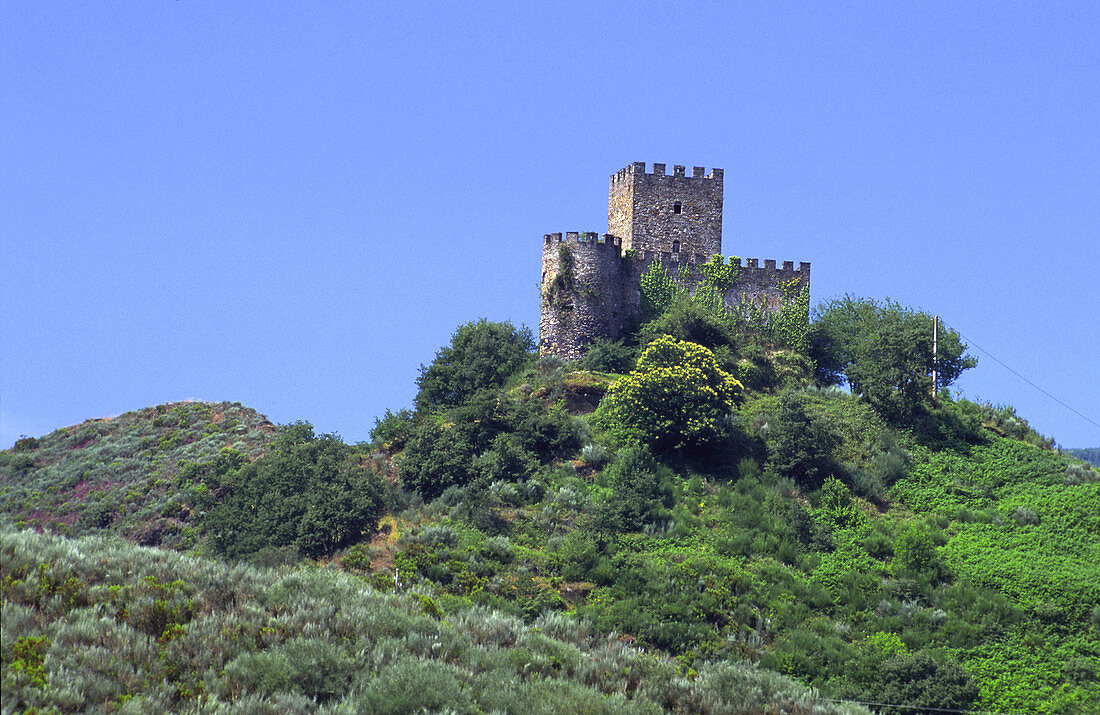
point(935, 345)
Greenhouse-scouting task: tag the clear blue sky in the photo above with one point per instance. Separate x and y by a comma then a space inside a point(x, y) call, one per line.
point(293, 205)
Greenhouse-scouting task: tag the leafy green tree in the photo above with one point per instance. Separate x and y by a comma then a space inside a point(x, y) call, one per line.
point(675, 397)
point(481, 355)
point(435, 458)
point(392, 430)
point(505, 438)
point(641, 490)
point(884, 351)
point(314, 494)
point(693, 322)
point(800, 443)
point(884, 666)
point(916, 680)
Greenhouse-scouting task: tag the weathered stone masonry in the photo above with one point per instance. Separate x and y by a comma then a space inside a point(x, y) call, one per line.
point(590, 283)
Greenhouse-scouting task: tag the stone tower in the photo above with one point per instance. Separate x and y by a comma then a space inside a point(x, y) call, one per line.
point(591, 283)
point(666, 214)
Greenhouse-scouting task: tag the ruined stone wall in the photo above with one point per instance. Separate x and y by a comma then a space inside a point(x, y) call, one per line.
point(674, 220)
point(765, 285)
point(603, 300)
point(582, 290)
point(661, 213)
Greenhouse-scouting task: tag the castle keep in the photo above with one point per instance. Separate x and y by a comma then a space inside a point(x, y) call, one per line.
point(591, 283)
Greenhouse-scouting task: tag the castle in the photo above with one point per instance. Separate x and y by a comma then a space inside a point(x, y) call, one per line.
point(591, 284)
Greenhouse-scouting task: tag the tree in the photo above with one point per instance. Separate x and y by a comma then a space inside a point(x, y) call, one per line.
point(673, 398)
point(691, 321)
point(641, 490)
point(481, 355)
point(917, 680)
point(435, 458)
point(392, 430)
point(886, 667)
point(801, 444)
point(444, 450)
point(884, 351)
point(314, 494)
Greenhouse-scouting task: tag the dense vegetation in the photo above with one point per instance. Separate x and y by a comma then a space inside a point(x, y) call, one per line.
point(123, 473)
point(98, 624)
point(1090, 455)
point(703, 491)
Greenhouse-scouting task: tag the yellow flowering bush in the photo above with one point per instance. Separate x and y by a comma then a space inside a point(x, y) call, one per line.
point(673, 398)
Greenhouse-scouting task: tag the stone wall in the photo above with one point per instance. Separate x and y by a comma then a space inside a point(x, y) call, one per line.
point(582, 287)
point(602, 297)
point(662, 213)
point(764, 285)
point(591, 284)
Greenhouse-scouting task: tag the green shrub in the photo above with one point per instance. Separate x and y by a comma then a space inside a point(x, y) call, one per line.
point(312, 493)
point(608, 356)
point(26, 444)
point(595, 455)
point(674, 397)
point(641, 491)
point(357, 558)
point(481, 355)
point(801, 443)
point(21, 463)
point(693, 323)
point(915, 555)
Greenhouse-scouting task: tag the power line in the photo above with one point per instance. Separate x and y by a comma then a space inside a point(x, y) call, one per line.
point(1006, 367)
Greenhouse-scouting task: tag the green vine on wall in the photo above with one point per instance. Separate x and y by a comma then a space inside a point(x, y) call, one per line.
point(720, 275)
point(659, 291)
point(790, 288)
point(791, 325)
point(558, 292)
point(717, 278)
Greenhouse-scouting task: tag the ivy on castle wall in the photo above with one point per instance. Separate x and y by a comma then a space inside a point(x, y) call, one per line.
point(659, 290)
point(717, 278)
point(719, 275)
point(788, 326)
point(564, 286)
point(791, 324)
point(558, 293)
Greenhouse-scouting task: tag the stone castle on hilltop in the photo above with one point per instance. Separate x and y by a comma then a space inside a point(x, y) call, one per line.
point(591, 284)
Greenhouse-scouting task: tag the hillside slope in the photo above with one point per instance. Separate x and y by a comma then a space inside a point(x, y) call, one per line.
point(98, 624)
point(708, 494)
point(121, 473)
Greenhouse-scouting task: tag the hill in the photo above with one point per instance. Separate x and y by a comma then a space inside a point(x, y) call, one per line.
point(95, 623)
point(1090, 455)
point(121, 473)
point(703, 496)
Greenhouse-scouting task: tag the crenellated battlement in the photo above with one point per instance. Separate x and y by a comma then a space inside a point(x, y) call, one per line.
point(586, 237)
point(637, 168)
point(769, 265)
point(592, 290)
